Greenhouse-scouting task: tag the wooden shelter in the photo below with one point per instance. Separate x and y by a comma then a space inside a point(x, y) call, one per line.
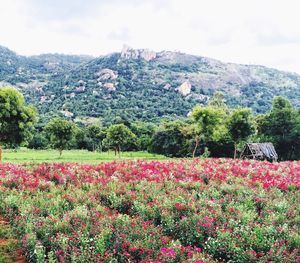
point(259, 151)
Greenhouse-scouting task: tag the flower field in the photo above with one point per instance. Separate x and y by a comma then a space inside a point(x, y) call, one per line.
point(212, 210)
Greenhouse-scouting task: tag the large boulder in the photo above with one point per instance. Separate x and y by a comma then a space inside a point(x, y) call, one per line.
point(106, 74)
point(185, 88)
point(109, 86)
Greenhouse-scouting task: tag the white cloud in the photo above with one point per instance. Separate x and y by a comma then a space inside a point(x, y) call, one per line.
point(249, 31)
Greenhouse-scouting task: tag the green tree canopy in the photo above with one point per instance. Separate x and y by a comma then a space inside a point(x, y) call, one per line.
point(95, 135)
point(211, 121)
point(169, 139)
point(296, 136)
point(240, 126)
point(194, 133)
point(218, 101)
point(118, 136)
point(60, 132)
point(16, 118)
point(144, 132)
point(280, 127)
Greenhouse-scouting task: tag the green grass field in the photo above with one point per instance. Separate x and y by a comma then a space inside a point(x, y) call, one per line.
point(24, 155)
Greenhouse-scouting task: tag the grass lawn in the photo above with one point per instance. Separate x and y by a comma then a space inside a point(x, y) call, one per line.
point(24, 155)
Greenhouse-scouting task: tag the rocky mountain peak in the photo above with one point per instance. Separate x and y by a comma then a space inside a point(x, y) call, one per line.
point(130, 53)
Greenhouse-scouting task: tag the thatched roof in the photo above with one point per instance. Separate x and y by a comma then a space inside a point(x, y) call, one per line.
point(260, 151)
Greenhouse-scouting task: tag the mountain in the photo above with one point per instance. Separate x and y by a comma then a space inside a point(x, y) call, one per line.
point(21, 69)
point(140, 83)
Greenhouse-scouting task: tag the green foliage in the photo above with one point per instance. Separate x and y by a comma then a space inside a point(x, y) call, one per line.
point(118, 136)
point(170, 139)
point(144, 132)
point(209, 120)
point(60, 132)
point(240, 126)
point(218, 101)
point(281, 126)
point(95, 135)
point(39, 141)
point(16, 119)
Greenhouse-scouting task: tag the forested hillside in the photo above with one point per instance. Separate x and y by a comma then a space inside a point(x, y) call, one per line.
point(139, 84)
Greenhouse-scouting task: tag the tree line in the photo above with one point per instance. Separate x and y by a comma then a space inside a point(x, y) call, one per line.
point(214, 130)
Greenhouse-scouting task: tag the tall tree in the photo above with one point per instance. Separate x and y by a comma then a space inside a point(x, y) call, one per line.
point(144, 132)
point(60, 132)
point(210, 121)
point(95, 135)
point(16, 119)
point(118, 136)
point(296, 136)
point(193, 131)
point(169, 139)
point(280, 127)
point(240, 126)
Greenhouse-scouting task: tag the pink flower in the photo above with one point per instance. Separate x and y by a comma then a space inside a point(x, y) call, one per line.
point(168, 252)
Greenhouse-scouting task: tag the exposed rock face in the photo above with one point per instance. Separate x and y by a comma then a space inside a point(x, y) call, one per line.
point(80, 89)
point(147, 54)
point(43, 99)
point(109, 86)
point(67, 113)
point(81, 83)
point(81, 86)
point(33, 85)
point(167, 86)
point(130, 53)
point(106, 74)
point(95, 93)
point(185, 88)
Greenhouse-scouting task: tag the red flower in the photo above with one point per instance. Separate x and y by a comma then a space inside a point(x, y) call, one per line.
point(179, 206)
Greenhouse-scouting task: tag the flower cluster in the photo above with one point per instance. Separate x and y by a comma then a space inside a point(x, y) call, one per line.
point(211, 210)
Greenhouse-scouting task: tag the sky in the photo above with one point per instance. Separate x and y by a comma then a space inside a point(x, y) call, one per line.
point(265, 32)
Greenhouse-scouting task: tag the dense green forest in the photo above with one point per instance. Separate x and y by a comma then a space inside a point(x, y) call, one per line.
point(211, 130)
point(214, 130)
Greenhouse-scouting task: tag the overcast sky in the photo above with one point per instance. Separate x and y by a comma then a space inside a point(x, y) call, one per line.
point(263, 32)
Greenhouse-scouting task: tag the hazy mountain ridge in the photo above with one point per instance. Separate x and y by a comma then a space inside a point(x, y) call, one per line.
point(140, 84)
point(14, 67)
